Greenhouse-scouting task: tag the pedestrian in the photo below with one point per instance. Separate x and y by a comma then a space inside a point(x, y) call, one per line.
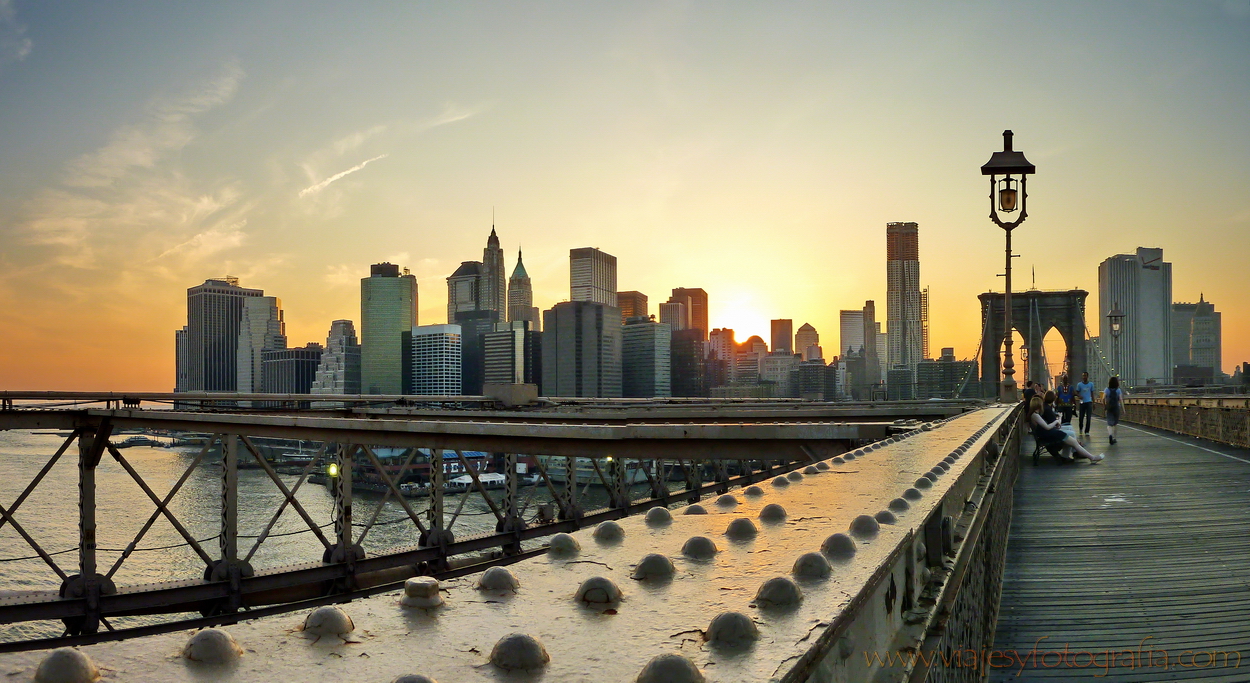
point(1048, 433)
point(1113, 401)
point(1029, 391)
point(1085, 394)
point(1066, 396)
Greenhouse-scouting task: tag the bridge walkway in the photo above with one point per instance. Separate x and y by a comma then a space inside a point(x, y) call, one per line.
point(1145, 556)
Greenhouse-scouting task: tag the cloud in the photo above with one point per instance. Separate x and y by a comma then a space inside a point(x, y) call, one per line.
point(209, 242)
point(313, 189)
point(14, 45)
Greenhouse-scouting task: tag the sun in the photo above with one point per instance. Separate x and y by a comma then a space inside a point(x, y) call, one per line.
point(739, 310)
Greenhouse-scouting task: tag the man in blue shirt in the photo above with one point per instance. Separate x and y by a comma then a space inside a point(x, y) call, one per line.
point(1085, 393)
point(1067, 397)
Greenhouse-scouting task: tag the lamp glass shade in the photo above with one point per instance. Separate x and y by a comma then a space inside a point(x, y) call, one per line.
point(1007, 200)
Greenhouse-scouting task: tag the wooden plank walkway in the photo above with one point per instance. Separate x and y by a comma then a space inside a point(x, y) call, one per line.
point(1151, 546)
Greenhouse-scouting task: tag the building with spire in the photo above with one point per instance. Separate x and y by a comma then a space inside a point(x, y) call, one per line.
point(521, 297)
point(495, 293)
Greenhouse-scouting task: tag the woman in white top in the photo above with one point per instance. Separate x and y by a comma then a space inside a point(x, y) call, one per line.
point(1050, 432)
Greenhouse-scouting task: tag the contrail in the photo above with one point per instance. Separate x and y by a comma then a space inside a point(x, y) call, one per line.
point(322, 185)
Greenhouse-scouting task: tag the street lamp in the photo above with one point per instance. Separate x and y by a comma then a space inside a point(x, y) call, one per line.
point(1116, 318)
point(1008, 195)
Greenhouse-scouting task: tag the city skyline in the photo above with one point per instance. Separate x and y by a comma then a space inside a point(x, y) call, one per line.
point(233, 151)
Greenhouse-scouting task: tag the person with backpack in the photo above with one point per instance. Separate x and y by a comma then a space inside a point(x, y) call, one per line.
point(1085, 393)
point(1113, 401)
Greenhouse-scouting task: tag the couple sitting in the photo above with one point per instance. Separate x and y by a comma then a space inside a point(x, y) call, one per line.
point(1048, 430)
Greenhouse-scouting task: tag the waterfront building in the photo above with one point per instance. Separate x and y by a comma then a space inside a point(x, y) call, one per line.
point(592, 276)
point(632, 305)
point(676, 315)
point(494, 289)
point(646, 358)
point(581, 350)
point(783, 336)
point(521, 306)
point(947, 377)
point(388, 312)
point(435, 360)
point(513, 354)
point(695, 300)
point(689, 369)
point(904, 315)
point(807, 342)
point(338, 372)
point(1140, 285)
point(1197, 336)
point(289, 371)
point(262, 328)
point(214, 317)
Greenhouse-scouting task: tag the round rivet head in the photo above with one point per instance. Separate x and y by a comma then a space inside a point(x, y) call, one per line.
point(930, 476)
point(598, 590)
point(885, 517)
point(658, 516)
point(924, 483)
point(811, 566)
point(838, 546)
point(421, 591)
point(212, 646)
point(726, 500)
point(865, 526)
point(731, 629)
point(822, 465)
point(699, 548)
point(773, 513)
point(67, 665)
point(414, 678)
point(695, 509)
point(499, 579)
point(945, 467)
point(899, 505)
point(328, 621)
point(778, 591)
point(753, 491)
point(950, 460)
point(811, 469)
point(848, 456)
point(519, 651)
point(795, 476)
point(564, 544)
point(741, 529)
point(608, 532)
point(653, 566)
point(780, 482)
point(839, 460)
point(671, 668)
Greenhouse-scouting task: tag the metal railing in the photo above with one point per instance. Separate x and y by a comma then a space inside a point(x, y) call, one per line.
point(1225, 419)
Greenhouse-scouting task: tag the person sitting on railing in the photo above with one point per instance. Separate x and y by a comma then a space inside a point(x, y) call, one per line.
point(1113, 402)
point(1049, 432)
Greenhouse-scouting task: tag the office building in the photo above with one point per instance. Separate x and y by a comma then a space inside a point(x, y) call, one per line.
point(882, 351)
point(1197, 336)
point(813, 381)
point(581, 350)
point(435, 363)
point(289, 371)
point(214, 317)
point(689, 363)
point(807, 342)
point(904, 319)
point(776, 368)
point(592, 276)
point(180, 359)
point(851, 331)
point(474, 325)
point(900, 384)
point(924, 323)
point(1140, 285)
point(947, 378)
point(695, 300)
point(646, 359)
point(783, 337)
point(494, 291)
point(468, 289)
point(262, 328)
point(632, 305)
point(339, 369)
point(676, 315)
point(521, 306)
point(513, 354)
point(388, 312)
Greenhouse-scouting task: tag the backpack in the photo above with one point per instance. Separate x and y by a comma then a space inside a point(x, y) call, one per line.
point(1113, 400)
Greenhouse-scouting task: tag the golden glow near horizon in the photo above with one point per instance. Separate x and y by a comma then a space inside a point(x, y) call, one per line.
point(754, 151)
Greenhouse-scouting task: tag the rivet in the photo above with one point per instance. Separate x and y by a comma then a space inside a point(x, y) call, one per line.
point(741, 529)
point(598, 590)
point(839, 459)
point(498, 579)
point(780, 482)
point(695, 509)
point(811, 469)
point(865, 526)
point(885, 517)
point(822, 465)
point(564, 544)
point(414, 678)
point(753, 491)
point(212, 646)
point(726, 500)
point(795, 476)
point(930, 476)
point(67, 665)
point(848, 456)
point(778, 591)
point(699, 548)
point(421, 591)
point(899, 505)
point(670, 668)
point(838, 546)
point(811, 566)
point(608, 532)
point(924, 483)
point(773, 513)
point(328, 621)
point(658, 516)
point(653, 566)
point(519, 651)
point(949, 460)
point(732, 629)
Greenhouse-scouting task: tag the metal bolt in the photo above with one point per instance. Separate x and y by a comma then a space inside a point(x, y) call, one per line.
point(498, 579)
point(822, 465)
point(899, 505)
point(773, 513)
point(67, 665)
point(726, 500)
point(885, 517)
point(753, 491)
point(421, 591)
point(839, 546)
point(795, 476)
point(811, 566)
point(598, 590)
point(779, 591)
point(695, 509)
point(780, 482)
point(564, 544)
point(865, 526)
point(653, 566)
point(519, 651)
point(741, 529)
point(811, 469)
point(670, 668)
point(699, 548)
point(328, 621)
point(658, 516)
point(608, 532)
point(212, 646)
point(731, 629)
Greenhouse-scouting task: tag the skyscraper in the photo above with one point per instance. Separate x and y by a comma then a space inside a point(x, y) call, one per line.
point(388, 310)
point(338, 372)
point(180, 359)
point(924, 323)
point(435, 363)
point(582, 350)
point(696, 306)
point(495, 293)
point(904, 319)
point(289, 371)
point(521, 297)
point(646, 359)
point(851, 330)
point(1197, 336)
point(214, 314)
point(1140, 285)
point(689, 363)
point(676, 315)
point(513, 353)
point(474, 326)
point(783, 336)
point(632, 305)
point(873, 343)
point(807, 342)
point(467, 290)
point(592, 276)
point(262, 328)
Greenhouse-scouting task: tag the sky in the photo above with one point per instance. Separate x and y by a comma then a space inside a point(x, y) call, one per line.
point(756, 150)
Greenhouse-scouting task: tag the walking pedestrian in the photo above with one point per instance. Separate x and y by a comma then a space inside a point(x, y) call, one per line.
point(1113, 401)
point(1085, 394)
point(1066, 396)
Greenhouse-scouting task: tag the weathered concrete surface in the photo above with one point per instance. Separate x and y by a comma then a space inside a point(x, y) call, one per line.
point(452, 642)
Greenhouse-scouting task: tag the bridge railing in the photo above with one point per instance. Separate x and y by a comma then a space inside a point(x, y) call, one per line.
point(1225, 419)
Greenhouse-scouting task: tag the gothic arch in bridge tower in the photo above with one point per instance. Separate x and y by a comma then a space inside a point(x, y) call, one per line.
point(1034, 313)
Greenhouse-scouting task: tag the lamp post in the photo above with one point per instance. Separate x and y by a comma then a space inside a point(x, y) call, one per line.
point(1116, 318)
point(1008, 195)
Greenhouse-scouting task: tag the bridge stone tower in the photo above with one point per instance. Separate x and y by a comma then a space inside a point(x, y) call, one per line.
point(1034, 313)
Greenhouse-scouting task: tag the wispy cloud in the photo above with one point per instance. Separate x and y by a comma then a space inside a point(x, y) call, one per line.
point(209, 242)
point(313, 189)
point(14, 45)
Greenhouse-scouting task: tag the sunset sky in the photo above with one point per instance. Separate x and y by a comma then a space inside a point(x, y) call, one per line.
point(756, 150)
